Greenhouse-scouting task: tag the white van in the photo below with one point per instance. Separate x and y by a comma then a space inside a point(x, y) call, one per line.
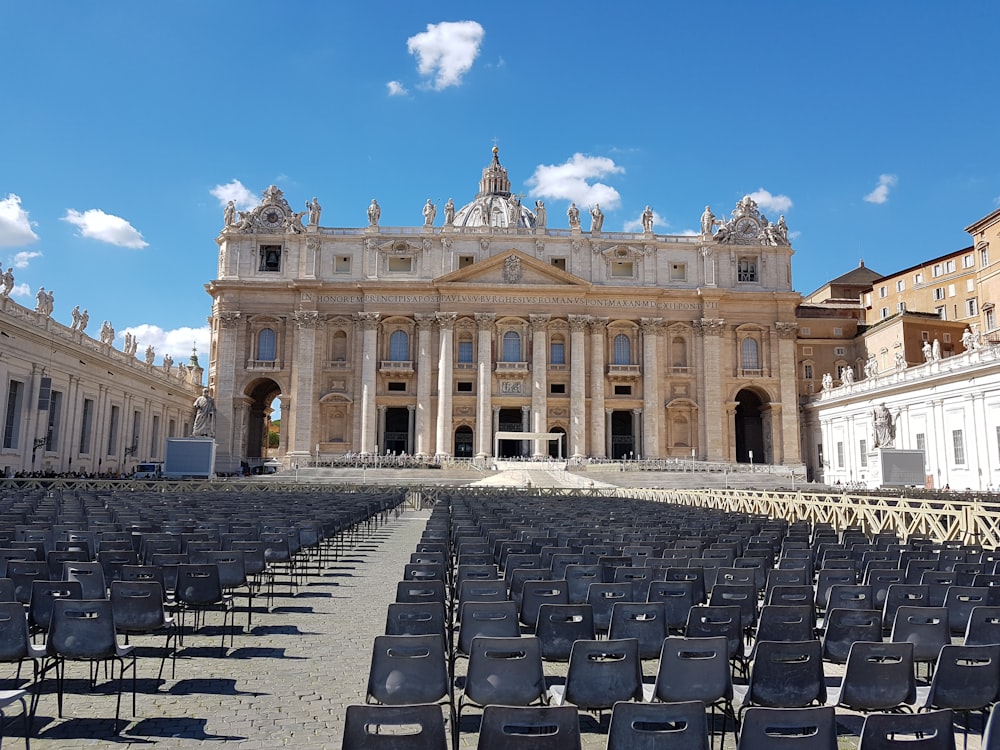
point(148, 471)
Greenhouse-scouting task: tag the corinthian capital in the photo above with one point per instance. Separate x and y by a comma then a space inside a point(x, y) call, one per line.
point(578, 323)
point(368, 321)
point(539, 321)
point(484, 321)
point(786, 330)
point(229, 318)
point(446, 320)
point(306, 318)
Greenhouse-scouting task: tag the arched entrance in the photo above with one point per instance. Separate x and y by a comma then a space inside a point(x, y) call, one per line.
point(262, 394)
point(750, 428)
point(622, 437)
point(463, 442)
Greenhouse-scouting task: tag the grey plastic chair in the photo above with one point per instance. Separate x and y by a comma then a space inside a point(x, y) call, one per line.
point(931, 730)
point(813, 728)
point(375, 727)
point(656, 726)
point(600, 674)
point(139, 609)
point(878, 677)
point(560, 625)
point(530, 728)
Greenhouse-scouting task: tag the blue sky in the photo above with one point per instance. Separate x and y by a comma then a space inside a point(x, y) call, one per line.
point(125, 126)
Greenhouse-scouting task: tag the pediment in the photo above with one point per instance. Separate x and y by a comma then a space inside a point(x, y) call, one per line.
point(512, 268)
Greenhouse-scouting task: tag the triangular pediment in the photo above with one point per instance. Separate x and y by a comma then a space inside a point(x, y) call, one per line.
point(512, 268)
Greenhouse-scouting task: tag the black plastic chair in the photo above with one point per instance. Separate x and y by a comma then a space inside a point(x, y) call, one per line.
point(560, 625)
point(931, 730)
point(232, 574)
point(878, 677)
point(926, 628)
point(643, 621)
point(845, 626)
point(15, 644)
point(984, 627)
point(600, 674)
point(139, 609)
point(654, 726)
point(813, 728)
point(492, 619)
point(199, 590)
point(91, 578)
point(503, 671)
point(785, 675)
point(374, 727)
point(705, 622)
point(602, 597)
point(966, 679)
point(530, 728)
point(536, 593)
point(960, 601)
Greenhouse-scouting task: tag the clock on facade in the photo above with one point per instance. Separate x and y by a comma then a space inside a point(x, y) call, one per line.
point(746, 228)
point(272, 217)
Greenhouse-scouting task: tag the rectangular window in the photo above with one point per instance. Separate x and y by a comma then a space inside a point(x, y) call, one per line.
point(939, 293)
point(863, 448)
point(900, 285)
point(342, 264)
point(921, 441)
point(55, 420)
point(901, 307)
point(840, 455)
point(678, 271)
point(622, 269)
point(463, 386)
point(838, 331)
point(883, 292)
point(746, 270)
point(86, 425)
point(465, 351)
point(397, 386)
point(113, 431)
point(466, 260)
point(270, 258)
point(968, 261)
point(839, 351)
point(918, 278)
point(941, 312)
point(623, 390)
point(557, 353)
point(557, 388)
point(805, 330)
point(991, 319)
point(154, 439)
point(958, 446)
point(808, 372)
point(946, 337)
point(885, 312)
point(937, 270)
point(970, 285)
point(401, 265)
point(951, 290)
point(984, 257)
point(950, 266)
point(868, 300)
point(12, 417)
point(559, 263)
point(970, 307)
point(136, 427)
point(172, 428)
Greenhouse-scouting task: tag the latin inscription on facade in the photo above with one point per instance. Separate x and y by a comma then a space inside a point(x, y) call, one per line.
point(498, 299)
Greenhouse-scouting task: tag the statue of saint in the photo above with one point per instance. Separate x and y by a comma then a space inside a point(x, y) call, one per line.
point(430, 211)
point(647, 220)
point(84, 320)
point(314, 211)
point(40, 300)
point(936, 350)
point(150, 354)
point(596, 218)
point(203, 415)
point(827, 381)
point(573, 214)
point(8, 282)
point(900, 362)
point(708, 221)
point(229, 214)
point(847, 375)
point(885, 430)
point(374, 212)
point(514, 212)
point(449, 213)
point(968, 339)
point(539, 213)
point(76, 318)
point(927, 351)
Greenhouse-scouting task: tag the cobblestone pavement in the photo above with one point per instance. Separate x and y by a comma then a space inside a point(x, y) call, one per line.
point(288, 681)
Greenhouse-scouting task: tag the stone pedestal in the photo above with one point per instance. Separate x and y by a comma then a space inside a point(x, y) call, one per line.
point(189, 458)
point(890, 467)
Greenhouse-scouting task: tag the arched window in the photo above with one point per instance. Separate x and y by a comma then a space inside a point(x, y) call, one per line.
point(622, 350)
point(399, 346)
point(749, 354)
point(512, 346)
point(267, 345)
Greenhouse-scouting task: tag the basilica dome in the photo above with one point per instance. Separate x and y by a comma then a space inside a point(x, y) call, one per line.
point(494, 205)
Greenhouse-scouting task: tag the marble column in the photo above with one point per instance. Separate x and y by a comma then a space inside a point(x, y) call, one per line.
point(791, 451)
point(229, 438)
point(539, 381)
point(577, 386)
point(525, 427)
point(380, 447)
point(305, 382)
point(368, 321)
point(711, 329)
point(637, 446)
point(446, 328)
point(484, 377)
point(600, 436)
point(609, 449)
point(652, 406)
point(410, 427)
point(420, 437)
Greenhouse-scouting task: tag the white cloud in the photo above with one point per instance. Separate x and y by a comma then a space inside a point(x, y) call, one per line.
point(177, 342)
point(446, 51)
point(771, 203)
point(395, 88)
point(22, 258)
point(635, 225)
point(20, 290)
point(235, 191)
point(15, 227)
point(97, 225)
point(573, 180)
point(881, 193)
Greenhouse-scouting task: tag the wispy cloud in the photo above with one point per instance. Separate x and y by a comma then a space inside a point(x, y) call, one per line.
point(234, 191)
point(635, 225)
point(395, 88)
point(23, 258)
point(176, 342)
point(97, 225)
point(446, 51)
point(21, 290)
point(881, 192)
point(767, 202)
point(575, 180)
point(15, 226)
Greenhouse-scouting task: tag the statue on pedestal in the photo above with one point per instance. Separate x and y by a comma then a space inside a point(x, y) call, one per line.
point(203, 415)
point(885, 430)
point(647, 220)
point(8, 282)
point(573, 214)
point(374, 212)
point(596, 218)
point(429, 212)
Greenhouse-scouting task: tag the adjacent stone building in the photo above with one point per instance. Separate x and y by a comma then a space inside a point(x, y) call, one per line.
point(431, 339)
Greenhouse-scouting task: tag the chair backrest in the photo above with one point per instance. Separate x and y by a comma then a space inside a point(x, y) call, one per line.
point(560, 625)
point(652, 726)
point(694, 669)
point(420, 591)
point(421, 618)
point(137, 606)
point(530, 728)
point(792, 594)
point(496, 619)
point(394, 728)
point(44, 594)
point(536, 593)
point(831, 577)
point(504, 671)
point(198, 584)
point(903, 595)
point(81, 629)
point(708, 621)
point(965, 678)
point(927, 730)
point(695, 575)
point(960, 601)
point(91, 577)
point(878, 677)
point(231, 565)
point(603, 672)
point(677, 598)
point(23, 573)
point(742, 595)
point(849, 596)
point(644, 621)
point(842, 627)
point(408, 669)
point(113, 560)
point(983, 627)
point(602, 597)
point(579, 578)
point(787, 674)
point(786, 622)
point(13, 632)
point(925, 627)
point(55, 559)
point(813, 728)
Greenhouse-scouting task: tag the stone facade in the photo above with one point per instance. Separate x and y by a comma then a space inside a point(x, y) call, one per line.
point(427, 340)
